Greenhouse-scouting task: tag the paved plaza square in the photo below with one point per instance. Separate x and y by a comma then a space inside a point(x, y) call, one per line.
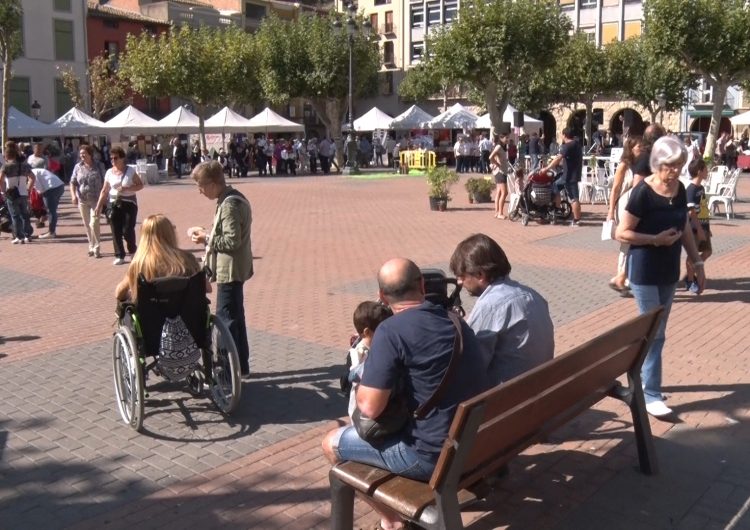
point(68, 461)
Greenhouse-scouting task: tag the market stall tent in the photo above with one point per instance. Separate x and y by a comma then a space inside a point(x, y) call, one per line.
point(456, 117)
point(411, 118)
point(373, 119)
point(484, 121)
point(179, 121)
point(741, 119)
point(268, 121)
point(227, 121)
point(75, 122)
point(21, 125)
point(131, 121)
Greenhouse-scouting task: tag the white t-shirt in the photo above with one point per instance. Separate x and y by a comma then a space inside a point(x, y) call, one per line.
point(46, 180)
point(123, 180)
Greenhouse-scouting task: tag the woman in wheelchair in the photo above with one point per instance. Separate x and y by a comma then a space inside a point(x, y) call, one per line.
point(158, 256)
point(163, 313)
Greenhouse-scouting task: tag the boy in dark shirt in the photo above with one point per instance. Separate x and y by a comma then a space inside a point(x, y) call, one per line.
point(699, 218)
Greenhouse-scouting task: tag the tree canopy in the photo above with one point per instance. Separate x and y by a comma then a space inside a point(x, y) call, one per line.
point(710, 37)
point(205, 66)
point(497, 47)
point(11, 17)
point(306, 58)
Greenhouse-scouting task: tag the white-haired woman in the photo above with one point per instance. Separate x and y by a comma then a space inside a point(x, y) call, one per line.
point(657, 225)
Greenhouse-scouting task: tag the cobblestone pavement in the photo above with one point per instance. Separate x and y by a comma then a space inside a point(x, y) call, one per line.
point(66, 460)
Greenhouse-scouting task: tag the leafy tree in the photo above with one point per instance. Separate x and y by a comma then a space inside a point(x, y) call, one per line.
point(72, 84)
point(205, 66)
point(583, 73)
point(430, 78)
point(650, 74)
point(11, 17)
point(306, 58)
point(497, 47)
point(710, 37)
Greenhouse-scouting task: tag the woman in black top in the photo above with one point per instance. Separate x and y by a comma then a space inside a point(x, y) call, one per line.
point(657, 226)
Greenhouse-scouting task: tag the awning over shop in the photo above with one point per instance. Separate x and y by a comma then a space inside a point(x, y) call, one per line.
point(706, 113)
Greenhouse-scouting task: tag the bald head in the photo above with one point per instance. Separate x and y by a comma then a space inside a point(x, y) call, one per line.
point(653, 132)
point(399, 279)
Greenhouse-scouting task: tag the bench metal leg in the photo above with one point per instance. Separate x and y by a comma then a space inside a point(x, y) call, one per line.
point(449, 511)
point(642, 427)
point(342, 504)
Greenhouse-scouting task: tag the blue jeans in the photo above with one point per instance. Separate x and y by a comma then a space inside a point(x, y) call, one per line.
point(391, 454)
point(51, 199)
point(648, 297)
point(19, 216)
point(230, 307)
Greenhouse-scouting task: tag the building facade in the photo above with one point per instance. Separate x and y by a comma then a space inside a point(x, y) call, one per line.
point(108, 28)
point(402, 26)
point(54, 36)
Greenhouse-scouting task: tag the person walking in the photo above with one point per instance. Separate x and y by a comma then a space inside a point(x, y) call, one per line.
point(657, 226)
point(16, 179)
point(85, 188)
point(229, 257)
point(121, 183)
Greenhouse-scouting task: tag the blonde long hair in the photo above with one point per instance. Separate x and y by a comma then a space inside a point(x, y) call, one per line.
point(158, 255)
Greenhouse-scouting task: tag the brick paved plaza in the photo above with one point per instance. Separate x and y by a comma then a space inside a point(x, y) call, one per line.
point(67, 461)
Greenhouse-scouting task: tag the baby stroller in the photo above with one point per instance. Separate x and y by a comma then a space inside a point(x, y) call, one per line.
point(6, 224)
point(536, 200)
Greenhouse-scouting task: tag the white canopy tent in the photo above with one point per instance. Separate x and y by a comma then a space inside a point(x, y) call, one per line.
point(741, 119)
point(19, 125)
point(411, 118)
point(179, 121)
point(373, 119)
point(131, 121)
point(456, 117)
point(268, 121)
point(227, 121)
point(77, 123)
point(484, 121)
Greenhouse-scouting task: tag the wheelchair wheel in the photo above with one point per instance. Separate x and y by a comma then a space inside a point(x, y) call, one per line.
point(128, 375)
point(224, 384)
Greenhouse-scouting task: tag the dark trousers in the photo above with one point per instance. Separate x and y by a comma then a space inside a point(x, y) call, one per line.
point(18, 209)
point(325, 165)
point(291, 166)
point(313, 163)
point(230, 307)
point(122, 223)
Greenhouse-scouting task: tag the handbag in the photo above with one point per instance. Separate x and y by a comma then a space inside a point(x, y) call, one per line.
point(396, 413)
point(13, 193)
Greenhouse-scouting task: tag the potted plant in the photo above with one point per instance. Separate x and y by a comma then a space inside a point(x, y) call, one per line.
point(479, 189)
point(440, 179)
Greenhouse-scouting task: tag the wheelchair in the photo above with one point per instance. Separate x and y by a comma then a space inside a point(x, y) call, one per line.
point(137, 342)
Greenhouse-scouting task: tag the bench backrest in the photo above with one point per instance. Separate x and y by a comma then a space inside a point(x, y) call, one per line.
point(493, 427)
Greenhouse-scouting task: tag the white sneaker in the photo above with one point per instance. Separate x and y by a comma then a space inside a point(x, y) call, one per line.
point(26, 240)
point(118, 261)
point(658, 409)
point(48, 235)
point(16, 241)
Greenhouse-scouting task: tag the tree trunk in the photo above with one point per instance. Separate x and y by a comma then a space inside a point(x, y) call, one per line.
point(652, 114)
point(330, 111)
point(720, 92)
point(6, 93)
point(589, 103)
point(494, 107)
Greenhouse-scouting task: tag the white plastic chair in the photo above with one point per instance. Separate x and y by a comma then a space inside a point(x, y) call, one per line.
point(727, 196)
point(601, 187)
point(586, 187)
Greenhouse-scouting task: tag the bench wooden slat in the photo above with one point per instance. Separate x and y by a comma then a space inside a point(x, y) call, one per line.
point(361, 477)
point(404, 495)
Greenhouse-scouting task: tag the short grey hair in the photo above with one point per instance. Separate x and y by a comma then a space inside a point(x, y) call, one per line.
point(667, 150)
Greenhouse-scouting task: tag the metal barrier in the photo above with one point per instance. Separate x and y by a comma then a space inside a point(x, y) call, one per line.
point(419, 159)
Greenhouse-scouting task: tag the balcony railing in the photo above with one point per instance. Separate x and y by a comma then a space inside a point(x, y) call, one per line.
point(387, 28)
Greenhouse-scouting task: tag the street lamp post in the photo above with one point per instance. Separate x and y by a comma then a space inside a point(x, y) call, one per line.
point(352, 28)
point(36, 110)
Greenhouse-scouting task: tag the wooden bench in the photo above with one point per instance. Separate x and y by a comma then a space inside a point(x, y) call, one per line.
point(492, 428)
